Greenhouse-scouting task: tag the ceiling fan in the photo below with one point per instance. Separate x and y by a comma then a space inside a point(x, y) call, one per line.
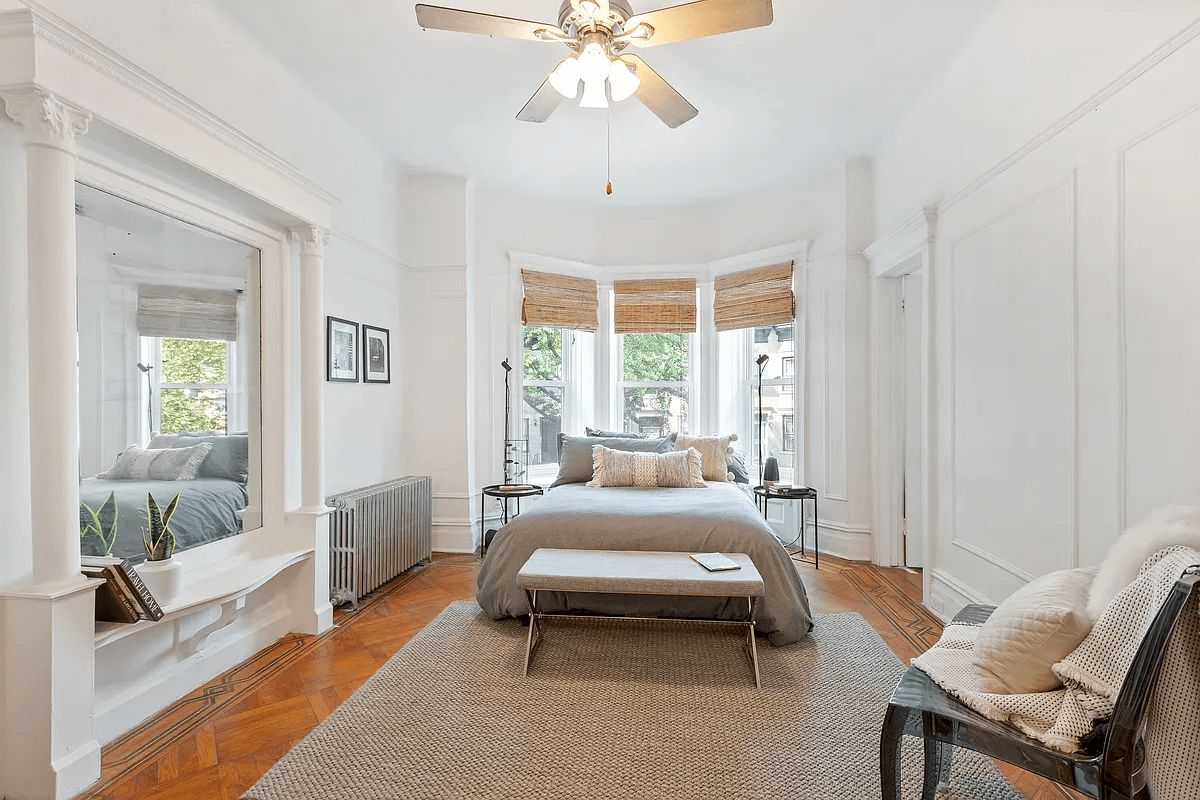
point(599, 31)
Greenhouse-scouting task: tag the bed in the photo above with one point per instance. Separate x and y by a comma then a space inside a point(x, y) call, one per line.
point(719, 518)
point(209, 510)
point(210, 503)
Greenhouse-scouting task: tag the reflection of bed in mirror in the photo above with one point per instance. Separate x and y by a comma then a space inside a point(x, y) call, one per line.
point(212, 493)
point(168, 321)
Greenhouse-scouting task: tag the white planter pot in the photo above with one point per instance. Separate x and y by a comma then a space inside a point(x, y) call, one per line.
point(164, 579)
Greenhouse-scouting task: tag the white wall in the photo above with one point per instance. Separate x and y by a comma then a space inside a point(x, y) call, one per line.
point(1064, 284)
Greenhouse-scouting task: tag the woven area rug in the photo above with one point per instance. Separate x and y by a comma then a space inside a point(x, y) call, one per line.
point(620, 710)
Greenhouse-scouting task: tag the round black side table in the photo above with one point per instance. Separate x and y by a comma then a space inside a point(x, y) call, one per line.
point(503, 492)
point(801, 493)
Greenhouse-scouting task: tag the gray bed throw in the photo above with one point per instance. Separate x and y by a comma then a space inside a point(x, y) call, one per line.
point(719, 518)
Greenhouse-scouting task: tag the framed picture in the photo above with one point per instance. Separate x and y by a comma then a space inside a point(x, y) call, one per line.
point(341, 350)
point(377, 355)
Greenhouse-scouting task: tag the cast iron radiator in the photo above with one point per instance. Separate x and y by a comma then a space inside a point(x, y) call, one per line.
point(377, 532)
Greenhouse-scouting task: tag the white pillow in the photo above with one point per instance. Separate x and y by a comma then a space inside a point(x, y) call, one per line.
point(679, 469)
point(143, 464)
point(1035, 628)
point(715, 453)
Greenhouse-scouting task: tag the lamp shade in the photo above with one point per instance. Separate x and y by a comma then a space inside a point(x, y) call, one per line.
point(565, 78)
point(622, 81)
point(594, 95)
point(770, 471)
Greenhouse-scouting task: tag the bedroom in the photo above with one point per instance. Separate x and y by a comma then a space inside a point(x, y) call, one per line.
point(1079, 170)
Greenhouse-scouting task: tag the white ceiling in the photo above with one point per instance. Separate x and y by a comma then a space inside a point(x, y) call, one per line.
point(818, 87)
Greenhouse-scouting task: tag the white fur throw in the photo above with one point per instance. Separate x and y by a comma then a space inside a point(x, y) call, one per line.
point(678, 469)
point(1166, 527)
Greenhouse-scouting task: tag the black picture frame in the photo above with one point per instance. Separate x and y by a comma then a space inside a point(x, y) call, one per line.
point(376, 354)
point(341, 356)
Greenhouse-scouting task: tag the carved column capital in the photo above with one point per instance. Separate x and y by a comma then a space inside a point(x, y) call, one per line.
point(48, 121)
point(312, 239)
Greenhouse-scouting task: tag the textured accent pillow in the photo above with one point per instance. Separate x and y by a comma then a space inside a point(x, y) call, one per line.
point(575, 453)
point(179, 463)
point(714, 450)
point(1035, 628)
point(679, 469)
point(143, 464)
point(228, 460)
point(613, 434)
point(161, 441)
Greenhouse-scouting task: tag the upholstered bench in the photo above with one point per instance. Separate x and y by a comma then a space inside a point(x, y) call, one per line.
point(636, 572)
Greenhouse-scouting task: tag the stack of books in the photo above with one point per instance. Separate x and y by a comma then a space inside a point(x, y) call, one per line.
point(123, 597)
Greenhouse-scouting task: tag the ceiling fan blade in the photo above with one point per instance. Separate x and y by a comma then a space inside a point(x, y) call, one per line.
point(699, 19)
point(453, 19)
point(659, 96)
point(543, 103)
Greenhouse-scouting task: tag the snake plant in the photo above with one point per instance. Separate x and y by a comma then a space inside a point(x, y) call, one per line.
point(100, 522)
point(159, 540)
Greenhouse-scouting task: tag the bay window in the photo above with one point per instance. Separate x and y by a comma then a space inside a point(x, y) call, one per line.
point(655, 387)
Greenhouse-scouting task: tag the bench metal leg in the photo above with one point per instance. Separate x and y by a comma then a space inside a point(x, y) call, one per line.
point(753, 646)
point(535, 633)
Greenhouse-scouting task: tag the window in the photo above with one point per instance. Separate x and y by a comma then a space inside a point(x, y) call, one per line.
point(654, 390)
point(778, 343)
point(189, 384)
point(545, 371)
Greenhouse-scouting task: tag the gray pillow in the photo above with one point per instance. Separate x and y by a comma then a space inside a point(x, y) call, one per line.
point(613, 434)
point(143, 464)
point(737, 467)
point(228, 460)
point(575, 453)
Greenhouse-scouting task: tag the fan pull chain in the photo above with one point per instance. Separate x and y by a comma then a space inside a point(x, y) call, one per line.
point(608, 188)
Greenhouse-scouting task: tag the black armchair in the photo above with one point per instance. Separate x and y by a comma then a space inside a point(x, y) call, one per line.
point(1114, 770)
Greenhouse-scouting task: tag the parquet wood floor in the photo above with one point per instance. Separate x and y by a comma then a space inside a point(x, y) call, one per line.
point(217, 741)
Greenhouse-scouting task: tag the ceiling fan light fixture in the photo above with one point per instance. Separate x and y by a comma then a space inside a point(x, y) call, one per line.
point(622, 81)
point(593, 64)
point(565, 78)
point(594, 95)
point(589, 8)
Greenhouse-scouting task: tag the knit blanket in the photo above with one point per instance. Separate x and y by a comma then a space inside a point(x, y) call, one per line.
point(1092, 676)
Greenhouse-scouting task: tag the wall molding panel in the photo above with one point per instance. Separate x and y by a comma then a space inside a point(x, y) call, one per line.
point(955, 267)
point(834, 354)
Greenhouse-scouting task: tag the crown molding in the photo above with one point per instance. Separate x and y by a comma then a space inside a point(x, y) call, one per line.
point(902, 242)
point(45, 26)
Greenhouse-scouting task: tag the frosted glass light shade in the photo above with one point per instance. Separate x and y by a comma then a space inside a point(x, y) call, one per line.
point(593, 64)
point(594, 95)
point(622, 81)
point(565, 78)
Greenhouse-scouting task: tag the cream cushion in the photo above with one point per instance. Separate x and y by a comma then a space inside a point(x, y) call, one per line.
point(715, 453)
point(1035, 628)
point(679, 469)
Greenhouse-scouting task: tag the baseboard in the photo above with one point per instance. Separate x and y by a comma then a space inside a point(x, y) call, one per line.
point(843, 541)
point(76, 771)
point(117, 714)
point(454, 536)
point(948, 595)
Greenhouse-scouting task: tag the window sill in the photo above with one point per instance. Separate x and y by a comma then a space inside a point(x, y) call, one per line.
point(209, 586)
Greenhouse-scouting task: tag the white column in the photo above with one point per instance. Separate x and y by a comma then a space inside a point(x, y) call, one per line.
point(49, 730)
point(312, 364)
point(50, 130)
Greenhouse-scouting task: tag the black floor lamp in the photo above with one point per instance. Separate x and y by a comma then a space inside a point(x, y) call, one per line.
point(504, 439)
point(762, 363)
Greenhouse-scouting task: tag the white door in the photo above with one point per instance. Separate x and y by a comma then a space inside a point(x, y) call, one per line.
point(914, 516)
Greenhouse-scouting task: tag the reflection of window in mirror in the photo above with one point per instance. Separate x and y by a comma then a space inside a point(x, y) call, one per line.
point(168, 374)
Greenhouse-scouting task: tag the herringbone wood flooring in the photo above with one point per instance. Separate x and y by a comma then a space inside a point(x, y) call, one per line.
point(218, 740)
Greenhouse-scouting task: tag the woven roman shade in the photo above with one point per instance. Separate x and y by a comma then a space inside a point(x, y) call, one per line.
point(655, 306)
point(559, 301)
point(180, 312)
point(761, 296)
